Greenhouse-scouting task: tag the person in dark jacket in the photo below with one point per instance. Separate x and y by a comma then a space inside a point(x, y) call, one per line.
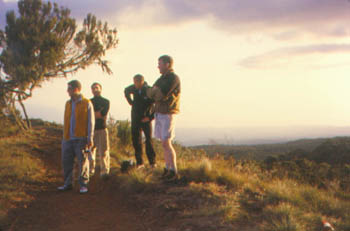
point(142, 114)
point(166, 93)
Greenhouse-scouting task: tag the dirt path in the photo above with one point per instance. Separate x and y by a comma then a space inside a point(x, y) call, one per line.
point(103, 208)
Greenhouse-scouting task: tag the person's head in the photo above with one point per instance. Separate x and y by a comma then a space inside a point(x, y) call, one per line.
point(165, 63)
point(96, 89)
point(74, 88)
point(139, 81)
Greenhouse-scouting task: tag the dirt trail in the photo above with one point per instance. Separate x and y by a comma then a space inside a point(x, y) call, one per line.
point(103, 208)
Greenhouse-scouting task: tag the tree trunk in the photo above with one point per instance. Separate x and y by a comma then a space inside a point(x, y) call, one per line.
point(19, 122)
point(29, 125)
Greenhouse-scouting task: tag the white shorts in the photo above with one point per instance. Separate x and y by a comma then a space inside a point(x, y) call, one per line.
point(165, 126)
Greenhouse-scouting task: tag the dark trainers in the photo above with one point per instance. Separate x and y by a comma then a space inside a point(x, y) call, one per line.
point(171, 177)
point(105, 176)
point(165, 173)
point(65, 188)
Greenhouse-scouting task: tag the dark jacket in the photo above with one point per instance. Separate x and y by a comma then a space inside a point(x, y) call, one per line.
point(100, 104)
point(170, 87)
point(142, 106)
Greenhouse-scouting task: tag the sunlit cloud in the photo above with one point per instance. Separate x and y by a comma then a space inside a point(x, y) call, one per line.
point(281, 57)
point(284, 19)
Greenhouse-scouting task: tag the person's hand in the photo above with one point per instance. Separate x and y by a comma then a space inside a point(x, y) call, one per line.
point(90, 144)
point(145, 119)
point(98, 115)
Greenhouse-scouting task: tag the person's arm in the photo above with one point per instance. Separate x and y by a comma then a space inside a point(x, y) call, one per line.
point(155, 93)
point(105, 108)
point(152, 111)
point(161, 91)
point(149, 113)
point(169, 87)
point(91, 124)
point(127, 92)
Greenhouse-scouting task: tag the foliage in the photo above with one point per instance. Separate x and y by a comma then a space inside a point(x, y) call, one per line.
point(120, 132)
point(43, 43)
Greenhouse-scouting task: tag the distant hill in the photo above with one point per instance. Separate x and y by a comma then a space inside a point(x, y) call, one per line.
point(332, 151)
point(318, 147)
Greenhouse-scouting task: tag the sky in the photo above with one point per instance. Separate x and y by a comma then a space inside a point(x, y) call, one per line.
point(258, 69)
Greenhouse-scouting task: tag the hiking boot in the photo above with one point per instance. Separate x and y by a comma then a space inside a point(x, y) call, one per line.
point(65, 188)
point(105, 176)
point(83, 190)
point(171, 177)
point(165, 173)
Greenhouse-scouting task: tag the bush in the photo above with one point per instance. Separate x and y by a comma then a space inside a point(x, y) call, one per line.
point(119, 132)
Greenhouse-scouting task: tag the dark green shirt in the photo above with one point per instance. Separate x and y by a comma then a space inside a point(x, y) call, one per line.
point(102, 105)
point(170, 86)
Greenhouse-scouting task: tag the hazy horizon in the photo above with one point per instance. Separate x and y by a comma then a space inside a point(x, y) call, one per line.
point(256, 135)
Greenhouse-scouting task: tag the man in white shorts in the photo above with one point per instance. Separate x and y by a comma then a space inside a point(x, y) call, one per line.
point(166, 94)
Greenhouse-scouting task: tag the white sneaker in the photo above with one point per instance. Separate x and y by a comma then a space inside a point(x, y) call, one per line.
point(83, 190)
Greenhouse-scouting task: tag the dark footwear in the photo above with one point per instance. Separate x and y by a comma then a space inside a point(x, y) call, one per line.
point(165, 173)
point(65, 188)
point(171, 177)
point(105, 176)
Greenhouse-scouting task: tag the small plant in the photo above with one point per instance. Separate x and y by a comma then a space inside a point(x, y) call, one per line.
point(124, 132)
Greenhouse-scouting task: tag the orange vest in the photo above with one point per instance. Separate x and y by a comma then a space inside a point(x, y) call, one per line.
point(81, 118)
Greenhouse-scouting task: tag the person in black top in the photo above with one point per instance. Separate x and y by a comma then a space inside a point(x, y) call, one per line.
point(101, 140)
point(142, 114)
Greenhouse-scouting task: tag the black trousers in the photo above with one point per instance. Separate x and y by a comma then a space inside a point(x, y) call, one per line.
point(136, 131)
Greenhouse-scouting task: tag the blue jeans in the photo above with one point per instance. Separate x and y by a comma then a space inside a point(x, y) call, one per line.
point(71, 149)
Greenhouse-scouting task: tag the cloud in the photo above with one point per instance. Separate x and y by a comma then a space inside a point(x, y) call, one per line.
point(283, 56)
point(284, 18)
point(103, 9)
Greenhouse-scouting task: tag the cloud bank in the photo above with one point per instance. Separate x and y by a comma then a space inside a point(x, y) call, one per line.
point(285, 17)
point(284, 55)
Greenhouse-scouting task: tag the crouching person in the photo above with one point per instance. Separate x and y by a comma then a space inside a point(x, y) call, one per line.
point(78, 131)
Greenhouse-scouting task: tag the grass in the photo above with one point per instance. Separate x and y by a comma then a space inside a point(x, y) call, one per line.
point(240, 194)
point(21, 172)
point(215, 193)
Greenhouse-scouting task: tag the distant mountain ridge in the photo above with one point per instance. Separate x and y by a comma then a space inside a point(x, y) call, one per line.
point(330, 150)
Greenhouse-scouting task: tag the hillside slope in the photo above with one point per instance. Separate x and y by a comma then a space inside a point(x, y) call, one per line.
point(214, 193)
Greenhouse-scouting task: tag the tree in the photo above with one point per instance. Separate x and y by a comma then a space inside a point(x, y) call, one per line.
point(43, 43)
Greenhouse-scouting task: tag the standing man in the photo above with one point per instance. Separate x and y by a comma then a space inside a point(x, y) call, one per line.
point(79, 122)
point(142, 114)
point(101, 140)
point(166, 93)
